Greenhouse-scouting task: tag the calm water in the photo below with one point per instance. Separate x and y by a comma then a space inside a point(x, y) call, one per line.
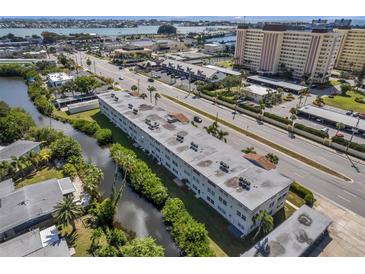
point(134, 213)
point(102, 31)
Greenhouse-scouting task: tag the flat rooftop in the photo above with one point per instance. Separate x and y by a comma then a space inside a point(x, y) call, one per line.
point(184, 66)
point(211, 151)
point(333, 116)
point(17, 149)
point(36, 243)
point(295, 235)
point(224, 70)
point(276, 82)
point(59, 76)
point(32, 202)
point(257, 89)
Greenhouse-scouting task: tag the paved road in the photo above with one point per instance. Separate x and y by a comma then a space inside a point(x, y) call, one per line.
point(350, 195)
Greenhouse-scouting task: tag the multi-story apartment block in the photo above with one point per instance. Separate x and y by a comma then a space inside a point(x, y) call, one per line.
point(213, 170)
point(351, 56)
point(273, 49)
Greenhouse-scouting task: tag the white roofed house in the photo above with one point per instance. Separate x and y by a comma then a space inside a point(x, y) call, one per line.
point(31, 206)
point(18, 149)
point(58, 79)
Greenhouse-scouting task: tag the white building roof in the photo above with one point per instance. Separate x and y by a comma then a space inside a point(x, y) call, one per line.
point(59, 76)
point(333, 116)
point(206, 160)
point(295, 235)
point(208, 72)
point(224, 70)
point(256, 89)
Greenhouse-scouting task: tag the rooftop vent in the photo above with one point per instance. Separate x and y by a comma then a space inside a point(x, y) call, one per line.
point(153, 125)
point(194, 146)
point(223, 166)
point(135, 111)
point(179, 138)
point(130, 106)
point(112, 95)
point(244, 183)
point(116, 98)
point(148, 121)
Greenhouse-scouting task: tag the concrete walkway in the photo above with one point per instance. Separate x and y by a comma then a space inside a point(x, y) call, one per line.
point(347, 230)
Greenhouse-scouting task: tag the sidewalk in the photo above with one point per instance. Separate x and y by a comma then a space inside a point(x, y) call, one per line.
point(347, 230)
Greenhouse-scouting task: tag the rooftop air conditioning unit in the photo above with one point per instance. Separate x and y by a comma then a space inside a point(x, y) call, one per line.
point(130, 106)
point(135, 111)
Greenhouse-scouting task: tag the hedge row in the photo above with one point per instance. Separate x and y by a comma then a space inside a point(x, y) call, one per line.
point(353, 145)
point(40, 97)
point(303, 192)
point(87, 127)
point(190, 235)
point(250, 108)
point(140, 176)
point(311, 130)
point(277, 118)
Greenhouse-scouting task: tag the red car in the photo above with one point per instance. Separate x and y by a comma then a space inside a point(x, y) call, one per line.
point(340, 134)
point(362, 115)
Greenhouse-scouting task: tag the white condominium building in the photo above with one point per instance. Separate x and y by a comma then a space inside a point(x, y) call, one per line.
point(352, 50)
point(273, 49)
point(213, 170)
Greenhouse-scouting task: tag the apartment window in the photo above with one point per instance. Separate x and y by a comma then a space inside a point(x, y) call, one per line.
point(174, 163)
point(222, 200)
point(211, 191)
point(210, 200)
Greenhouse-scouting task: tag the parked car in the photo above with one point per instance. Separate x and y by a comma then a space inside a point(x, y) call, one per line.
point(362, 115)
point(120, 67)
point(120, 78)
point(340, 135)
point(349, 112)
point(355, 114)
point(325, 129)
point(150, 80)
point(197, 119)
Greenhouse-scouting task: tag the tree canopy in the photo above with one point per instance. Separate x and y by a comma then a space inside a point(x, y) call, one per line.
point(142, 248)
point(166, 29)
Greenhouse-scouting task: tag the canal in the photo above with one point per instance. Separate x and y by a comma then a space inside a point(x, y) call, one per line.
point(134, 213)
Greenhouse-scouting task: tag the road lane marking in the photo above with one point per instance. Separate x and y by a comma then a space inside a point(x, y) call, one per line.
point(343, 198)
point(351, 194)
point(301, 176)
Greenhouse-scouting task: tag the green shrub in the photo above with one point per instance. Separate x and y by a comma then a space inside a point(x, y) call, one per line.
point(69, 170)
point(344, 142)
point(104, 136)
point(311, 130)
point(255, 109)
point(303, 192)
point(277, 118)
point(141, 177)
point(190, 235)
point(85, 126)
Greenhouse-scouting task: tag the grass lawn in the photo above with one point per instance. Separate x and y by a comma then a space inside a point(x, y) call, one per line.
point(335, 83)
point(41, 175)
point(346, 102)
point(222, 242)
point(86, 115)
point(81, 238)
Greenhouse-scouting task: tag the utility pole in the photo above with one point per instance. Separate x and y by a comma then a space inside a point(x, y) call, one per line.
point(348, 144)
point(94, 67)
point(138, 86)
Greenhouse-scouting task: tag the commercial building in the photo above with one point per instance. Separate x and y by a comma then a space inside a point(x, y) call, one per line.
point(332, 117)
point(213, 48)
point(159, 44)
point(297, 236)
point(351, 55)
point(36, 243)
point(132, 53)
point(213, 170)
point(276, 83)
point(58, 79)
point(30, 206)
point(256, 93)
point(190, 71)
point(83, 106)
point(18, 149)
point(300, 54)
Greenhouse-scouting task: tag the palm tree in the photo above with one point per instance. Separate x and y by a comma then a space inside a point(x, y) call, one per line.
point(45, 155)
point(221, 135)
point(95, 239)
point(293, 115)
point(134, 88)
point(248, 150)
point(157, 96)
point(266, 222)
point(339, 126)
point(151, 89)
point(143, 96)
point(67, 211)
point(88, 63)
point(306, 93)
